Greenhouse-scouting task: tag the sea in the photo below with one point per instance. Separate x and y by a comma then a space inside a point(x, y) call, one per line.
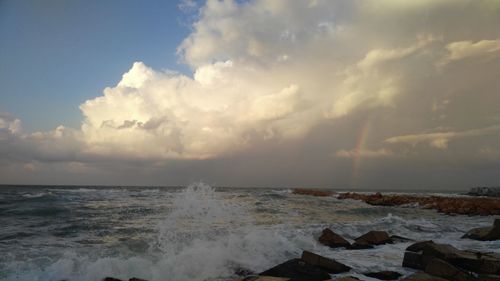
point(199, 232)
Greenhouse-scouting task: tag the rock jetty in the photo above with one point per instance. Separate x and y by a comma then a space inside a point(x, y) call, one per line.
point(449, 205)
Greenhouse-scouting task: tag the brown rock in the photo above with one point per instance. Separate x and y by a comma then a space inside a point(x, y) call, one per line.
point(420, 254)
point(297, 270)
point(332, 239)
point(485, 233)
point(330, 265)
point(440, 268)
point(373, 238)
point(413, 260)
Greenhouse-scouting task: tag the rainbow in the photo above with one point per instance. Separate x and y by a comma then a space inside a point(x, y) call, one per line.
point(357, 155)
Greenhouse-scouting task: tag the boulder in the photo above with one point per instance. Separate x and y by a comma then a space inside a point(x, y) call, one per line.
point(111, 279)
point(413, 260)
point(485, 233)
point(345, 278)
point(440, 268)
point(136, 279)
point(420, 254)
point(330, 265)
point(297, 270)
point(420, 276)
point(332, 239)
point(384, 275)
point(373, 238)
point(399, 239)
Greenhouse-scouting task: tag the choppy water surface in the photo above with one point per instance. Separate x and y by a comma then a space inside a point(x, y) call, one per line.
point(197, 232)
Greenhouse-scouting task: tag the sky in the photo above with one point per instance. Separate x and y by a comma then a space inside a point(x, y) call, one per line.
point(350, 94)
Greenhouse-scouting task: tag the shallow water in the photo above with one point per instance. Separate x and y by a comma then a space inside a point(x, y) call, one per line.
point(197, 232)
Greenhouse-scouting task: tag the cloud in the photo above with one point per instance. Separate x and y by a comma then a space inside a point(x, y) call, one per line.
point(441, 140)
point(9, 125)
point(294, 80)
point(365, 153)
point(467, 49)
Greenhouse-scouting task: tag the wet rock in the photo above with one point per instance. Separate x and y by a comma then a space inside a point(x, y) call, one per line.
point(297, 270)
point(420, 276)
point(399, 239)
point(485, 233)
point(330, 265)
point(449, 205)
point(373, 238)
point(384, 275)
point(332, 239)
point(413, 260)
point(264, 278)
point(345, 278)
point(420, 254)
point(440, 268)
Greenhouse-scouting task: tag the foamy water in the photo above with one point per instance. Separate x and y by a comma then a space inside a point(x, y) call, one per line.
point(197, 232)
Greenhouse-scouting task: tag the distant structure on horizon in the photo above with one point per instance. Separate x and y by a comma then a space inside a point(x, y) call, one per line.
point(485, 191)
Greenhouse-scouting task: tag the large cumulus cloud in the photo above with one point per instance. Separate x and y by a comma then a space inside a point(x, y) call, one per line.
point(421, 75)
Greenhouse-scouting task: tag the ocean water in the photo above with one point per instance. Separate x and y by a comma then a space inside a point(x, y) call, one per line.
point(198, 232)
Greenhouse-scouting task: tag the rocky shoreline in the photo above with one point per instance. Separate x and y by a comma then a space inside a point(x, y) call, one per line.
point(481, 206)
point(431, 261)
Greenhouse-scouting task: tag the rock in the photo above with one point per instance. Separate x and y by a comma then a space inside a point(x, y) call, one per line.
point(345, 278)
point(332, 239)
point(440, 268)
point(449, 205)
point(485, 233)
point(264, 278)
point(330, 265)
point(373, 238)
point(384, 275)
point(400, 239)
point(111, 279)
point(420, 276)
point(420, 254)
point(413, 260)
point(297, 270)
point(136, 279)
